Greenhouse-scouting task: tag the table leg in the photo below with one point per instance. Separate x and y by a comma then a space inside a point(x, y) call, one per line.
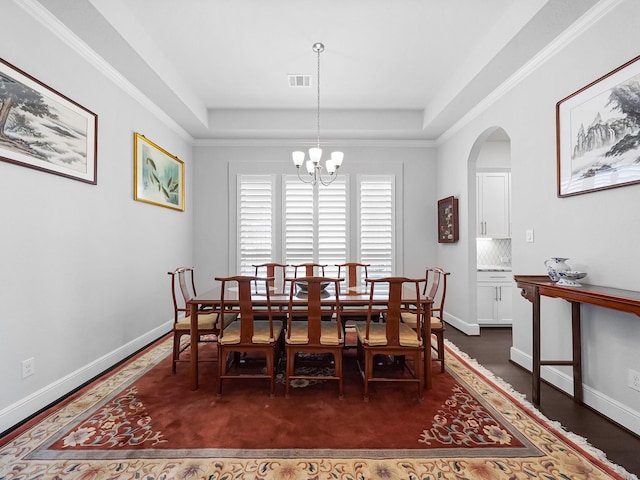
point(536, 347)
point(427, 350)
point(577, 351)
point(193, 348)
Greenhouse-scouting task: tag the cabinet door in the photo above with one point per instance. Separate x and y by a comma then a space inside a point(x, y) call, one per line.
point(505, 308)
point(487, 295)
point(493, 204)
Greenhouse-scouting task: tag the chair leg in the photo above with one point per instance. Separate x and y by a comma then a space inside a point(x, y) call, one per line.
point(289, 371)
point(337, 355)
point(419, 375)
point(368, 372)
point(270, 355)
point(176, 351)
point(222, 365)
point(440, 337)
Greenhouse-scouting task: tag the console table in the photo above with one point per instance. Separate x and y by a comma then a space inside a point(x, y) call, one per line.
point(535, 286)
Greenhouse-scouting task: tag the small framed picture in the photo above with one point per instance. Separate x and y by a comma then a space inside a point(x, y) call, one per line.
point(448, 220)
point(158, 176)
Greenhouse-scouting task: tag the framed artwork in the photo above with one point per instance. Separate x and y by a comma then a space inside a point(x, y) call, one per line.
point(158, 176)
point(448, 220)
point(42, 129)
point(598, 133)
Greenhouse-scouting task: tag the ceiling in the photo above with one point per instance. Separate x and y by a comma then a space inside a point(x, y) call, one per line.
point(391, 69)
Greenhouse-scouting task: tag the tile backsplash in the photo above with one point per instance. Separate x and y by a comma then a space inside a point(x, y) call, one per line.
point(493, 251)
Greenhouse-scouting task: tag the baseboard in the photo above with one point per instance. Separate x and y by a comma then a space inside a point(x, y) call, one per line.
point(17, 412)
point(464, 327)
point(609, 407)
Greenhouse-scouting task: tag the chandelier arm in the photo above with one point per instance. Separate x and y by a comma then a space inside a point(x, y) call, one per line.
point(302, 179)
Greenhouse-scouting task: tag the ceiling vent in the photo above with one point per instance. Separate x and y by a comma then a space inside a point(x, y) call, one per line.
point(299, 80)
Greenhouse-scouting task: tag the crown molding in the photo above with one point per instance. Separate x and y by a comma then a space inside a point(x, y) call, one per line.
point(55, 26)
point(295, 143)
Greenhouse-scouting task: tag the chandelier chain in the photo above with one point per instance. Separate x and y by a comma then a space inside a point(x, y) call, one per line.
point(318, 98)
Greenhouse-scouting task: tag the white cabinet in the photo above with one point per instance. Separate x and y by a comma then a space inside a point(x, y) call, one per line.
point(495, 298)
point(493, 204)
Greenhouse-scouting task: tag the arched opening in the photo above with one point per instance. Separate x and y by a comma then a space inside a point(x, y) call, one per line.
point(489, 229)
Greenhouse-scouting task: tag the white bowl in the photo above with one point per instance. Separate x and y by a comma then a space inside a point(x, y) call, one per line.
point(571, 274)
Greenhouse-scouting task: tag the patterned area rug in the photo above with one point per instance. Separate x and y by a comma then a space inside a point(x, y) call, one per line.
point(141, 422)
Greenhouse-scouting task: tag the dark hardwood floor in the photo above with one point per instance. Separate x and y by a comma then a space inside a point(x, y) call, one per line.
point(491, 349)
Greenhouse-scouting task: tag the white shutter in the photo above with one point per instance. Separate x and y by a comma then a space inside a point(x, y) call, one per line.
point(315, 223)
point(377, 224)
point(255, 223)
point(298, 225)
point(332, 225)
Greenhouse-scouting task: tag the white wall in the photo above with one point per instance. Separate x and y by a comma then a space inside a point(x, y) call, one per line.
point(84, 267)
point(597, 231)
point(212, 217)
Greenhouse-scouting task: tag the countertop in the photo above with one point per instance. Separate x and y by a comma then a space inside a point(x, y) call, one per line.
point(494, 268)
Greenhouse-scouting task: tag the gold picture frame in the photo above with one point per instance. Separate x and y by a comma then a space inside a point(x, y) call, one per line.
point(158, 176)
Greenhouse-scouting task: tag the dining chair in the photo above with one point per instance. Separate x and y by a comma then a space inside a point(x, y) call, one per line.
point(313, 334)
point(391, 337)
point(355, 275)
point(277, 272)
point(207, 319)
point(435, 288)
point(310, 269)
point(354, 272)
point(247, 335)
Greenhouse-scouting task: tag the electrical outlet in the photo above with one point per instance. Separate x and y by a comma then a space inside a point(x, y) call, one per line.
point(634, 380)
point(28, 367)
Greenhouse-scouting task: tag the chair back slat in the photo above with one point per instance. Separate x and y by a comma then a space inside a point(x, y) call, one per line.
point(243, 305)
point(314, 314)
point(394, 306)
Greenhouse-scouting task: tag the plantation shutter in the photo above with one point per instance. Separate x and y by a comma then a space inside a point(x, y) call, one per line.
point(255, 223)
point(377, 225)
point(299, 228)
point(332, 225)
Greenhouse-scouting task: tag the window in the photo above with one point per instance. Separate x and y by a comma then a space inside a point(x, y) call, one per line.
point(377, 224)
point(315, 223)
point(255, 221)
point(285, 220)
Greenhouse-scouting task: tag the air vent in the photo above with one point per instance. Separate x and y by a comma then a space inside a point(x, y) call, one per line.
point(299, 80)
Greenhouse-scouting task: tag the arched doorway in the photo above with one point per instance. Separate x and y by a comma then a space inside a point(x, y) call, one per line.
point(489, 228)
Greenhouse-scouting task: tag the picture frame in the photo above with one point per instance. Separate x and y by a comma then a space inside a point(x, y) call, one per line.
point(448, 231)
point(42, 129)
point(158, 176)
point(598, 133)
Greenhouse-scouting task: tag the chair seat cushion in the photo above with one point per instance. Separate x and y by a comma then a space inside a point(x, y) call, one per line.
point(411, 320)
point(378, 334)
point(329, 333)
point(207, 321)
point(231, 334)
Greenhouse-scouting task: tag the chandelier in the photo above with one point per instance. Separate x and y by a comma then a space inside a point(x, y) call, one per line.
point(313, 165)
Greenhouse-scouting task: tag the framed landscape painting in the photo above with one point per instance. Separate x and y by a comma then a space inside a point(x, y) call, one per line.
point(42, 129)
point(598, 133)
point(158, 176)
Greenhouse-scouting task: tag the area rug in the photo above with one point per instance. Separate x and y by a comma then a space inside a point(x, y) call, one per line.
point(142, 422)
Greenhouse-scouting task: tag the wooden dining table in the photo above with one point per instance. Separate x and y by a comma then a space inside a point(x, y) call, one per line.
point(350, 298)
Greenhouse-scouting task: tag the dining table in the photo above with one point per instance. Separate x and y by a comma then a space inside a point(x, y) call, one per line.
point(351, 299)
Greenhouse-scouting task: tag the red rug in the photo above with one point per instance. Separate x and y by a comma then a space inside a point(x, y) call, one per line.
point(143, 420)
